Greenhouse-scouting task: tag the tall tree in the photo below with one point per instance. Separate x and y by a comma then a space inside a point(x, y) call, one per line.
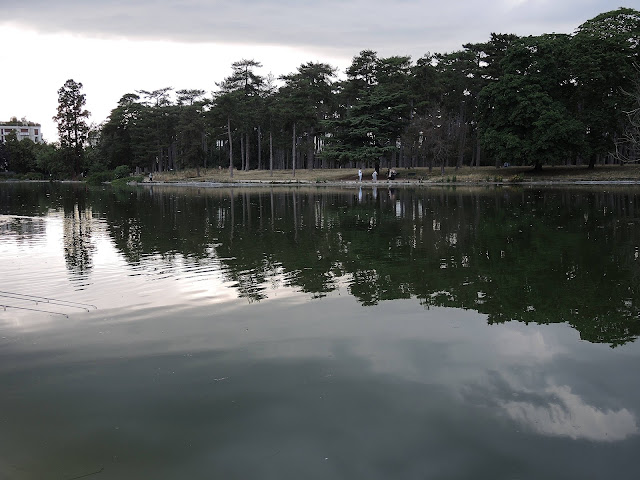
point(121, 137)
point(487, 59)
point(372, 107)
point(238, 101)
point(308, 94)
point(192, 144)
point(604, 51)
point(520, 123)
point(525, 116)
point(628, 144)
point(72, 122)
point(20, 154)
point(159, 125)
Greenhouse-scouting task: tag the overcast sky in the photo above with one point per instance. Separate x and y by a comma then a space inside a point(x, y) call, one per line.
point(118, 46)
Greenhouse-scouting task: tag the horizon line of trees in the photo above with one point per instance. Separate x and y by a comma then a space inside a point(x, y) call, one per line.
point(535, 100)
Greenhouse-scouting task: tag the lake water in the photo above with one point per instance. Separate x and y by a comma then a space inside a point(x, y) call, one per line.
point(319, 333)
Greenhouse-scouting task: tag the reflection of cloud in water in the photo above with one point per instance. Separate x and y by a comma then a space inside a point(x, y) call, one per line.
point(567, 415)
point(515, 343)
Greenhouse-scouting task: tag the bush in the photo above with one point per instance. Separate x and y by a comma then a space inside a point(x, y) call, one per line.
point(121, 172)
point(33, 176)
point(99, 178)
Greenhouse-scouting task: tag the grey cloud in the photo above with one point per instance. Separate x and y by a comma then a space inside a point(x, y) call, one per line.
point(568, 415)
point(411, 27)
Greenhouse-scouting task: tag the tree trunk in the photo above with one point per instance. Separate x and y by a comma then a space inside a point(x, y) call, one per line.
point(230, 147)
point(311, 149)
point(247, 151)
point(173, 154)
point(462, 132)
point(205, 149)
point(293, 150)
point(271, 152)
point(259, 148)
point(242, 151)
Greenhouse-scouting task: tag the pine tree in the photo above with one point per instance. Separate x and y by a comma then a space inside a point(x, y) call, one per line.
point(72, 123)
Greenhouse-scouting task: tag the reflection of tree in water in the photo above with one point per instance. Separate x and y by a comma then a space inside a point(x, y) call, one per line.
point(78, 245)
point(24, 201)
point(544, 256)
point(23, 229)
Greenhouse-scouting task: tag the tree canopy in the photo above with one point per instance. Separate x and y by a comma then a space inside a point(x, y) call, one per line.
point(72, 122)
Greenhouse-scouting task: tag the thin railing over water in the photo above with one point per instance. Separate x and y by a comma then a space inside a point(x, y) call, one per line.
point(36, 299)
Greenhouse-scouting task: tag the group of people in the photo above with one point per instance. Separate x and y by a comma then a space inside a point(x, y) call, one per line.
point(391, 174)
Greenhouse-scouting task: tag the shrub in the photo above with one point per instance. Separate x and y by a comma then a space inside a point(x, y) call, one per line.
point(99, 178)
point(33, 176)
point(122, 171)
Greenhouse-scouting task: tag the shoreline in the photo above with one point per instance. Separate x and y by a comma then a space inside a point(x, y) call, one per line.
point(384, 184)
point(416, 177)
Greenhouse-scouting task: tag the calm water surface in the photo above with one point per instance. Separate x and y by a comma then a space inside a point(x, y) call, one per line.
point(319, 333)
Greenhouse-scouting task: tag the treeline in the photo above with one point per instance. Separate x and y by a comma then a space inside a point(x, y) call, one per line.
point(548, 99)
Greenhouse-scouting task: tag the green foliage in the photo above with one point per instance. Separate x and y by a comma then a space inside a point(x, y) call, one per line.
point(521, 124)
point(20, 154)
point(118, 177)
point(306, 101)
point(33, 176)
point(604, 51)
point(99, 178)
point(122, 171)
point(546, 99)
point(374, 110)
point(72, 123)
point(51, 162)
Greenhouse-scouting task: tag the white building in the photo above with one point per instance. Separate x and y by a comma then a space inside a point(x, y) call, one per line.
point(23, 130)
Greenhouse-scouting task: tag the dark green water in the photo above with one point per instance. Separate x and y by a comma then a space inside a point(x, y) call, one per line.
point(319, 333)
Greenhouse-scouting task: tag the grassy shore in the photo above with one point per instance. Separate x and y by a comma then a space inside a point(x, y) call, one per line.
point(471, 175)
